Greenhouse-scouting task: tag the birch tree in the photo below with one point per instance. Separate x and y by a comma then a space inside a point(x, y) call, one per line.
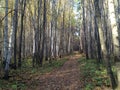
point(12, 40)
point(104, 46)
point(114, 28)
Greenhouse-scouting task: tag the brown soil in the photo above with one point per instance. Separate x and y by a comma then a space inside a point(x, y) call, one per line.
point(65, 78)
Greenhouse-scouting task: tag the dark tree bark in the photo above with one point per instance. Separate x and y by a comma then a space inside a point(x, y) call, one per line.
point(84, 27)
point(23, 5)
point(44, 30)
point(15, 24)
point(5, 40)
point(119, 20)
point(97, 37)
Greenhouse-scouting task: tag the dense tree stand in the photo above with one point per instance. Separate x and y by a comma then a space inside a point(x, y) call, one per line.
point(34, 34)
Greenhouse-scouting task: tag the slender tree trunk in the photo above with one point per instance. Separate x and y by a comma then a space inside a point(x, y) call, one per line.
point(69, 40)
point(44, 30)
point(119, 19)
point(63, 33)
point(97, 36)
point(6, 41)
point(6, 33)
point(23, 5)
point(11, 41)
point(51, 49)
point(90, 31)
point(15, 23)
point(39, 27)
point(114, 28)
point(33, 61)
point(84, 27)
point(24, 42)
point(55, 39)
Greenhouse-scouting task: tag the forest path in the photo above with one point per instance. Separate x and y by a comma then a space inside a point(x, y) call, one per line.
point(65, 78)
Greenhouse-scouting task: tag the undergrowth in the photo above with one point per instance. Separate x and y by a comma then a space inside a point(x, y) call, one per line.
point(92, 76)
point(20, 78)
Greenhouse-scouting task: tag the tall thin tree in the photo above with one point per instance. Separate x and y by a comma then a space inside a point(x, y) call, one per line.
point(23, 5)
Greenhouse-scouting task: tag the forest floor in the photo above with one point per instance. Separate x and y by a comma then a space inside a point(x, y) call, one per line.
point(72, 72)
point(75, 74)
point(66, 77)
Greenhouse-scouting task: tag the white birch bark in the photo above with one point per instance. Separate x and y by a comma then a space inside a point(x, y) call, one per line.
point(11, 39)
point(113, 27)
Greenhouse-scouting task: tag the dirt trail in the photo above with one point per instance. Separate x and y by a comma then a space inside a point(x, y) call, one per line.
point(65, 78)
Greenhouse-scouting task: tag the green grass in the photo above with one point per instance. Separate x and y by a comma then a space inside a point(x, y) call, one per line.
point(48, 67)
point(93, 76)
point(20, 77)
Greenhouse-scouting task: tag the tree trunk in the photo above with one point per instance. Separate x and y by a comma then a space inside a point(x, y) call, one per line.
point(44, 30)
point(6, 40)
point(6, 33)
point(104, 46)
point(15, 23)
point(84, 27)
point(23, 5)
point(114, 28)
point(12, 40)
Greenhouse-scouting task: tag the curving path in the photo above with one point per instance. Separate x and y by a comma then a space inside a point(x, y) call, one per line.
point(65, 78)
